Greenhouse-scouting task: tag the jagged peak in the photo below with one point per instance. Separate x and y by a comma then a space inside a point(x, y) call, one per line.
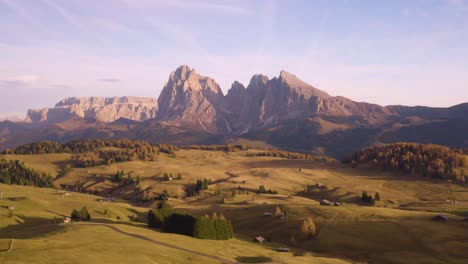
point(183, 72)
point(237, 88)
point(300, 86)
point(258, 79)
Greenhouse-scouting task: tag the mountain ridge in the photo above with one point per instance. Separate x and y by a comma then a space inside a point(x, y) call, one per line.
point(283, 111)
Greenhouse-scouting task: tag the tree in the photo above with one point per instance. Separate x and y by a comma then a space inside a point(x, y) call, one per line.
point(278, 211)
point(308, 229)
point(233, 194)
point(85, 216)
point(166, 177)
point(261, 189)
point(179, 176)
point(377, 196)
point(75, 215)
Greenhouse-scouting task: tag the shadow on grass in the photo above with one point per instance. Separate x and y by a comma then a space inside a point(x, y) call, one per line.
point(254, 259)
point(15, 199)
point(30, 227)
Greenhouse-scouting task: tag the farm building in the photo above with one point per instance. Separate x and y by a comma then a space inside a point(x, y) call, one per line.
point(12, 208)
point(441, 218)
point(269, 214)
point(283, 249)
point(66, 220)
point(259, 239)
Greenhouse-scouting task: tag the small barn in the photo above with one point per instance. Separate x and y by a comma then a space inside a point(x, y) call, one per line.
point(283, 249)
point(66, 220)
point(268, 214)
point(11, 207)
point(337, 204)
point(440, 218)
point(326, 202)
point(259, 239)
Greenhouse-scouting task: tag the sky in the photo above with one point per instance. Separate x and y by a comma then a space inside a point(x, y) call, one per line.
point(386, 52)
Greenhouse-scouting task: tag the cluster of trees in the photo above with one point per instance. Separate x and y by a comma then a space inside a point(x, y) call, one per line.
point(82, 215)
point(80, 146)
point(15, 172)
point(167, 177)
point(142, 149)
point(108, 156)
point(367, 198)
point(262, 189)
point(225, 148)
point(202, 185)
point(119, 177)
point(417, 159)
point(289, 155)
point(168, 149)
point(203, 227)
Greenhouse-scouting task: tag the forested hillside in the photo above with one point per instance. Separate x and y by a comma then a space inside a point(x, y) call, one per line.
point(417, 159)
point(15, 172)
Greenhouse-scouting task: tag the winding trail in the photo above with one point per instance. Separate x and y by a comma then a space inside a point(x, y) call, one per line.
point(220, 259)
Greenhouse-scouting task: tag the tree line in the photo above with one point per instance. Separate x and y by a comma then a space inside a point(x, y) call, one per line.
point(417, 159)
point(203, 227)
point(89, 145)
point(16, 172)
point(225, 148)
point(289, 155)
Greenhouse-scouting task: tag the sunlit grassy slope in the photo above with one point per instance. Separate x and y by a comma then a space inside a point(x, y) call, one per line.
point(397, 229)
point(106, 239)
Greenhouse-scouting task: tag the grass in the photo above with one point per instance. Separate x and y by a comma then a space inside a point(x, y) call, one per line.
point(105, 240)
point(396, 230)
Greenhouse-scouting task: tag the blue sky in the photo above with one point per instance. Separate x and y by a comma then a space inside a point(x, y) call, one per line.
point(386, 52)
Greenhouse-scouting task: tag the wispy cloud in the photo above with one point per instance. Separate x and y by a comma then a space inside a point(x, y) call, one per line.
point(203, 5)
point(109, 80)
point(69, 17)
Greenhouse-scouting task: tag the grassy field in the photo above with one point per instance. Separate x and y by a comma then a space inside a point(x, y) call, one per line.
point(397, 229)
point(105, 239)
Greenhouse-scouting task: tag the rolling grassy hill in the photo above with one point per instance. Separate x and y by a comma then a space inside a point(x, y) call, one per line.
point(106, 239)
point(397, 229)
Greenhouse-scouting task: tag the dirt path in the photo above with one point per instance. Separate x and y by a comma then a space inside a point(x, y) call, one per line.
point(222, 260)
point(10, 246)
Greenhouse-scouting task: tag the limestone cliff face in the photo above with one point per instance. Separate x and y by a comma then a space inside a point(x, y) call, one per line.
point(189, 100)
point(100, 108)
point(193, 101)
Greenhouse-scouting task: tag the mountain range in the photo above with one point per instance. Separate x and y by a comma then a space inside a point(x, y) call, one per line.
point(283, 111)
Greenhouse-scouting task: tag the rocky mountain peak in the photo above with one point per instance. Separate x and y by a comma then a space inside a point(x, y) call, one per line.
point(258, 80)
point(100, 108)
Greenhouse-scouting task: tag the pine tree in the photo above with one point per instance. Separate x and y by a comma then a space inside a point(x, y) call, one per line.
point(308, 229)
point(85, 216)
point(261, 189)
point(377, 196)
point(278, 211)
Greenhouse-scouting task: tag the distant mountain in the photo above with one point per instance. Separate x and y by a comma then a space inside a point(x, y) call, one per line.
point(102, 109)
point(283, 111)
point(11, 118)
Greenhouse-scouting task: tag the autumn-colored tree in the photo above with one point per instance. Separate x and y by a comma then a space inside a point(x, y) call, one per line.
point(308, 228)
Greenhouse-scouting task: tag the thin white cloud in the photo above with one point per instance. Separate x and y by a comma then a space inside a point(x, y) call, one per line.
point(209, 6)
point(69, 17)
